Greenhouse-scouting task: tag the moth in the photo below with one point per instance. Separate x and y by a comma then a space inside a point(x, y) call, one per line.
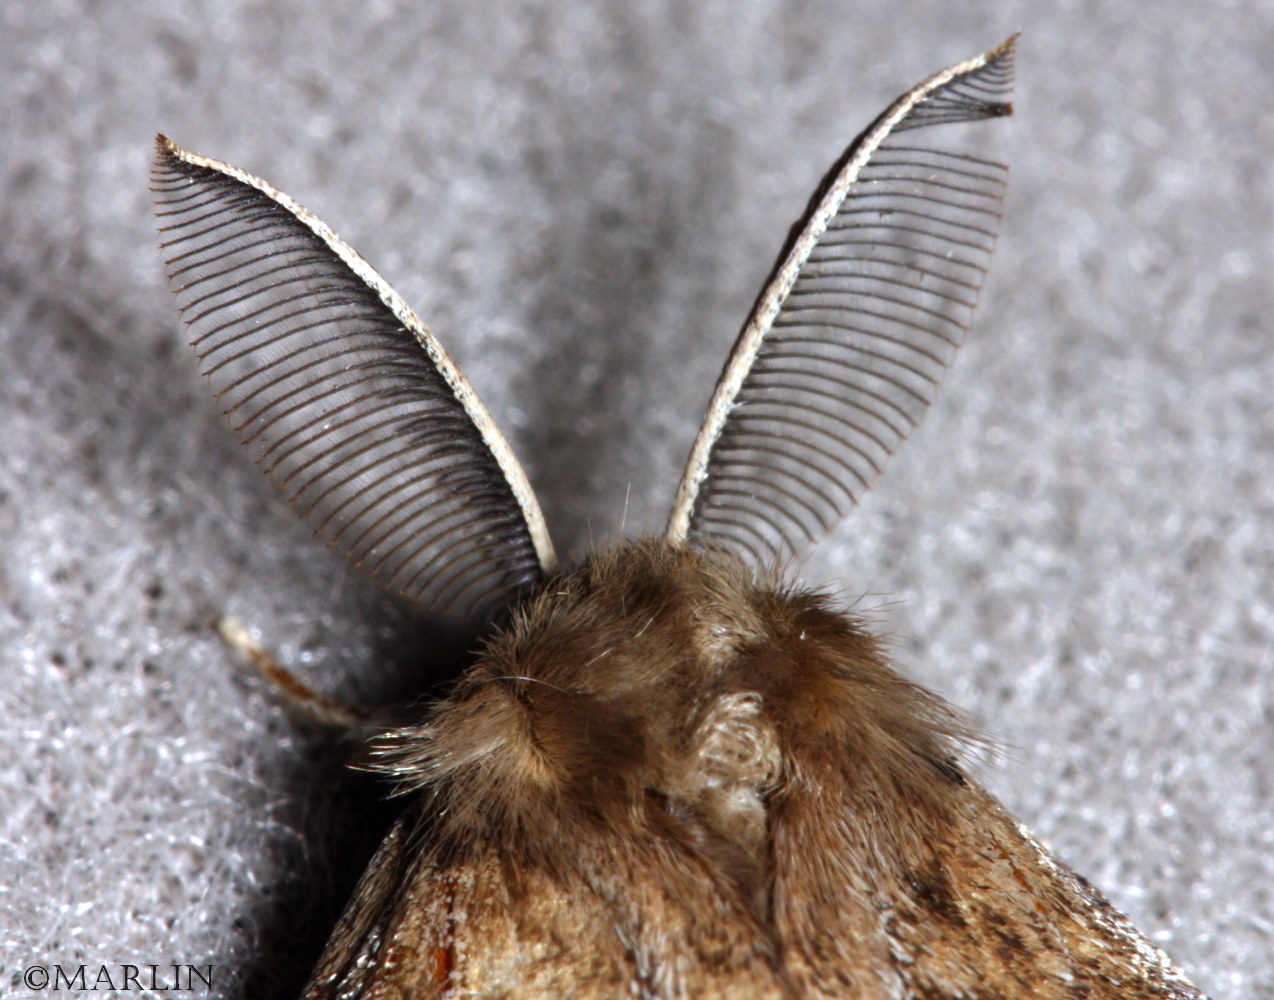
point(668, 773)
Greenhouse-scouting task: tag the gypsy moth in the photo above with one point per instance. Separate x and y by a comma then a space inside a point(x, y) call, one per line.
point(669, 773)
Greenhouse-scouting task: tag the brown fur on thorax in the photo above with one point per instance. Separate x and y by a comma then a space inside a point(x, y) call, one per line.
point(661, 692)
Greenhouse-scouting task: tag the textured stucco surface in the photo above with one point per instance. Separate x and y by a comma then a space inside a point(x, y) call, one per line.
point(581, 200)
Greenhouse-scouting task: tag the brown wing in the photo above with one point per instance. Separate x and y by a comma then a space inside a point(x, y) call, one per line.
point(980, 910)
point(463, 928)
point(353, 955)
point(626, 918)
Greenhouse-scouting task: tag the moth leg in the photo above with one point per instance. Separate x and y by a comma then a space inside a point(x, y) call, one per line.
point(316, 707)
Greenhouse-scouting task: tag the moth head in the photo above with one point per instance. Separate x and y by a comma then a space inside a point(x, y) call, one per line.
point(657, 689)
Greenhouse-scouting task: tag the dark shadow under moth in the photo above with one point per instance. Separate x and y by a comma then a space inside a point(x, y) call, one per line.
point(668, 774)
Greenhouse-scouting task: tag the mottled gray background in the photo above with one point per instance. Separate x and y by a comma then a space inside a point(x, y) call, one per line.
point(582, 200)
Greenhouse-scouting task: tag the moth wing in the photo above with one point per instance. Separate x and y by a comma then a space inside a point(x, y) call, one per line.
point(354, 950)
point(342, 396)
point(431, 928)
point(981, 910)
point(850, 337)
point(1032, 926)
point(622, 920)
